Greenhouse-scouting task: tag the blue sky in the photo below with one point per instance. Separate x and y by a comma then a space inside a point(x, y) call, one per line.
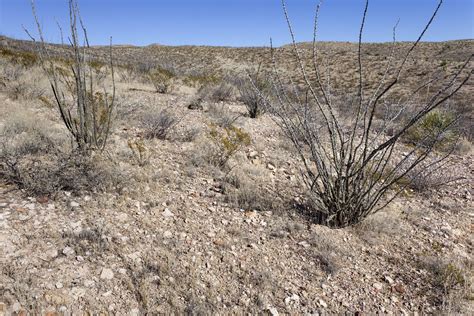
point(239, 22)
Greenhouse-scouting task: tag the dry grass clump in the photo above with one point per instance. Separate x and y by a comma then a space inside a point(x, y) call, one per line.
point(162, 79)
point(159, 124)
point(244, 188)
point(452, 279)
point(35, 158)
point(221, 115)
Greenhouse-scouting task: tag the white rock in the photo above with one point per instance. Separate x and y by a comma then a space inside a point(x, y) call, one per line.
point(51, 253)
point(167, 234)
point(59, 285)
point(378, 286)
point(167, 213)
point(107, 274)
point(323, 303)
point(68, 251)
point(273, 311)
point(74, 204)
point(389, 280)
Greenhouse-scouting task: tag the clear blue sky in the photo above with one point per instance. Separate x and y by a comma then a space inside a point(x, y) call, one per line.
point(239, 22)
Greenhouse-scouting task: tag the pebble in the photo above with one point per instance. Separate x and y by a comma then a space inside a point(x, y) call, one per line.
point(107, 274)
point(67, 251)
point(59, 285)
point(389, 280)
point(74, 204)
point(167, 234)
point(323, 303)
point(378, 286)
point(167, 213)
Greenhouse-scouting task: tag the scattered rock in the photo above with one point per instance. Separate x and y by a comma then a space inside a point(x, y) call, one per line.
point(68, 251)
point(107, 274)
point(167, 234)
point(272, 310)
point(167, 213)
point(378, 286)
point(74, 204)
point(389, 279)
point(271, 167)
point(322, 303)
point(59, 285)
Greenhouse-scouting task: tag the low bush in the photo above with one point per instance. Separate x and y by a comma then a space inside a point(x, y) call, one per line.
point(34, 158)
point(159, 125)
point(435, 127)
point(162, 80)
point(252, 91)
point(226, 142)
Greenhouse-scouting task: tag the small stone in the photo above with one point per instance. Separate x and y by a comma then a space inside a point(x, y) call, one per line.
point(305, 244)
point(167, 234)
point(271, 167)
point(74, 204)
point(323, 303)
point(89, 283)
point(30, 206)
point(293, 298)
point(59, 285)
point(273, 311)
point(16, 307)
point(107, 274)
point(253, 154)
point(68, 251)
point(399, 288)
point(80, 258)
point(167, 213)
point(378, 286)
point(42, 199)
point(135, 312)
point(389, 280)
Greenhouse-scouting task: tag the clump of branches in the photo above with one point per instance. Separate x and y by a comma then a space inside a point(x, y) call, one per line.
point(159, 124)
point(86, 111)
point(353, 170)
point(252, 93)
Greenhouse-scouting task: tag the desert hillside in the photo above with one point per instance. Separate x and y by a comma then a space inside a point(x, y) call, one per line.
point(195, 207)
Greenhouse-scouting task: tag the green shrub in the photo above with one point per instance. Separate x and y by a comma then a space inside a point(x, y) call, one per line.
point(435, 129)
point(226, 142)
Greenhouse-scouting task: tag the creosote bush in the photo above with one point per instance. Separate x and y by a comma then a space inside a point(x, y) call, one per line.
point(226, 142)
point(162, 80)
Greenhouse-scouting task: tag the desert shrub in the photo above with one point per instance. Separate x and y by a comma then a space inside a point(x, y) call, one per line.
point(252, 92)
point(351, 169)
point(451, 279)
point(221, 115)
point(23, 58)
point(159, 124)
point(161, 79)
point(245, 193)
point(140, 152)
point(220, 92)
point(433, 129)
point(200, 79)
point(34, 158)
point(225, 143)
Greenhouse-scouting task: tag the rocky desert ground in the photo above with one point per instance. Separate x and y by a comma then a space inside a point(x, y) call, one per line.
point(170, 221)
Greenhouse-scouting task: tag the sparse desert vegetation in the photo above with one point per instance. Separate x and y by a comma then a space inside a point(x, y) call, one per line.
point(207, 180)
